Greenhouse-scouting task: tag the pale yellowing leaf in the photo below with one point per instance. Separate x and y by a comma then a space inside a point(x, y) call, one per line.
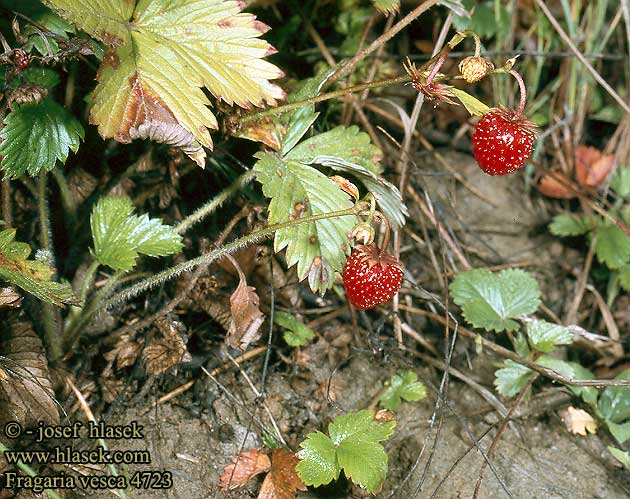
point(162, 53)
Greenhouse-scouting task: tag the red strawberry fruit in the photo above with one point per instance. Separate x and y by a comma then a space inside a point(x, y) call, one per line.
point(503, 141)
point(21, 58)
point(371, 276)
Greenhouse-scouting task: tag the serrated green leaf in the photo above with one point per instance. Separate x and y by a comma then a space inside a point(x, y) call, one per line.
point(296, 334)
point(46, 77)
point(387, 6)
point(491, 300)
point(624, 277)
point(402, 386)
point(318, 460)
point(588, 393)
point(363, 459)
point(119, 237)
point(510, 379)
point(621, 456)
point(612, 246)
point(614, 402)
point(161, 54)
point(473, 105)
point(349, 150)
point(620, 182)
point(544, 336)
point(297, 190)
point(568, 225)
point(621, 432)
point(35, 136)
point(30, 275)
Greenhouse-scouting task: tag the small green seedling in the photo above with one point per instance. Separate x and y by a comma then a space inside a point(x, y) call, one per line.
point(403, 385)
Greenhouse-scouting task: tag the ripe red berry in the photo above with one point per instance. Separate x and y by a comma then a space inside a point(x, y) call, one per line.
point(503, 141)
point(21, 58)
point(371, 276)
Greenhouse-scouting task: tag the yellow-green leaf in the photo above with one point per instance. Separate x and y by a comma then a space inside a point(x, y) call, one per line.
point(473, 105)
point(161, 54)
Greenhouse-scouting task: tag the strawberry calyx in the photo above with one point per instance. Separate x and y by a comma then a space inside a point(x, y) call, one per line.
point(373, 255)
point(516, 118)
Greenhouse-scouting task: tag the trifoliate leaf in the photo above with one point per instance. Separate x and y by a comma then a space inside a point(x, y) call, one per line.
point(544, 336)
point(621, 432)
point(387, 6)
point(349, 150)
point(359, 453)
point(612, 246)
point(491, 300)
point(35, 136)
point(318, 460)
point(624, 277)
point(32, 276)
point(620, 182)
point(614, 402)
point(564, 225)
point(161, 54)
point(353, 446)
point(511, 378)
point(296, 334)
point(119, 237)
point(296, 191)
point(588, 393)
point(402, 386)
point(473, 105)
point(621, 456)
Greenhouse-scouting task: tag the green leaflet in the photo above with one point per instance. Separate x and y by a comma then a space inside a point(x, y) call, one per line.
point(35, 136)
point(119, 237)
point(297, 190)
point(492, 300)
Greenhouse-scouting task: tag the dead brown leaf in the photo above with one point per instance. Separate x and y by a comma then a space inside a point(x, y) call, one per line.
point(161, 355)
point(282, 481)
point(26, 393)
point(553, 188)
point(246, 315)
point(592, 166)
point(244, 467)
point(9, 297)
point(578, 421)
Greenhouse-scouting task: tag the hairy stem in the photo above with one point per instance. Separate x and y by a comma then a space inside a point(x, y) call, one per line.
point(322, 97)
point(165, 275)
point(215, 202)
point(76, 325)
point(521, 84)
point(48, 313)
point(67, 198)
point(7, 212)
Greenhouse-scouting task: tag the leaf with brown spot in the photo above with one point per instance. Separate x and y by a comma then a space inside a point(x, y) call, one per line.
point(26, 393)
point(162, 55)
point(282, 481)
point(244, 467)
point(246, 315)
